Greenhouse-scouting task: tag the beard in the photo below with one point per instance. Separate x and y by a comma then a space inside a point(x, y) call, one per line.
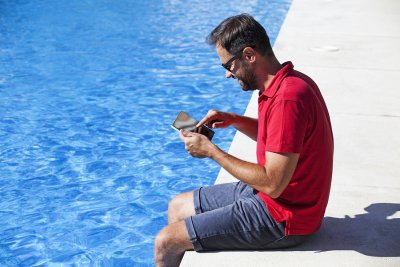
point(246, 86)
point(248, 80)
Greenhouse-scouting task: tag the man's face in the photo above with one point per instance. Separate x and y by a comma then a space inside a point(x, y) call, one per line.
point(240, 69)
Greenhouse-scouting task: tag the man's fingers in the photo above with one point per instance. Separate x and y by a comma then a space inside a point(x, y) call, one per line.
point(203, 121)
point(218, 124)
point(209, 117)
point(183, 135)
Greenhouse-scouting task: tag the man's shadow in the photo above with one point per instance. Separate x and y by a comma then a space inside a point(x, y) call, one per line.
point(373, 233)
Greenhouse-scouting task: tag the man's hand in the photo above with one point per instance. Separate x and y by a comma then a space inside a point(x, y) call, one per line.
point(220, 119)
point(217, 119)
point(197, 145)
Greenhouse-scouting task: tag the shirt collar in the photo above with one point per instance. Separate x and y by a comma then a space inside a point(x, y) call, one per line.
point(271, 90)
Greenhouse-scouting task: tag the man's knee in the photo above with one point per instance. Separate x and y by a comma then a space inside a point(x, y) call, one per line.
point(181, 207)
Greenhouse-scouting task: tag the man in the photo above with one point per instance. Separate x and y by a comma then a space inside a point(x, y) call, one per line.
point(279, 201)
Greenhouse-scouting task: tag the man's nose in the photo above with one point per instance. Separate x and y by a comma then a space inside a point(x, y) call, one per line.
point(228, 74)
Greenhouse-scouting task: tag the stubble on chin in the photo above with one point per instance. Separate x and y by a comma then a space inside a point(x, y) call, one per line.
point(249, 81)
point(246, 86)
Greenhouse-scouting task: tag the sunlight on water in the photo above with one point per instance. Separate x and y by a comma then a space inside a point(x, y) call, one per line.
point(88, 90)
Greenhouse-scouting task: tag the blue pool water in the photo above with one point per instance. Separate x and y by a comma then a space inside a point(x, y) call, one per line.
point(88, 90)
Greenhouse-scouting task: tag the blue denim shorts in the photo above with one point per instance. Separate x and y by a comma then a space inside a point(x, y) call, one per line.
point(233, 217)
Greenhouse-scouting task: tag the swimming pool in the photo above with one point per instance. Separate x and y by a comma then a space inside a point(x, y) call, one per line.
point(88, 90)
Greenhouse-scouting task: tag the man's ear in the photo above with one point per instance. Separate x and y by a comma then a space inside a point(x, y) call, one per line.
point(250, 54)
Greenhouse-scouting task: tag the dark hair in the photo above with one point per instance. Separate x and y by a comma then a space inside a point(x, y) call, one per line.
point(237, 32)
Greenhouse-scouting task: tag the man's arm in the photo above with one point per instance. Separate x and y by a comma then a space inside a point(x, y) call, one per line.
point(220, 119)
point(271, 179)
point(246, 125)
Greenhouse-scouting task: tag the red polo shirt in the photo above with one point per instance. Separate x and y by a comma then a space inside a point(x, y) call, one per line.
point(293, 118)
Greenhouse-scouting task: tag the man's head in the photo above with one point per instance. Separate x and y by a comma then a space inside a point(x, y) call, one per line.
point(237, 32)
point(239, 40)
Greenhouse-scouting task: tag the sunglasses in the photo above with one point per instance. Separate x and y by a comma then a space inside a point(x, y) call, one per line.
point(229, 63)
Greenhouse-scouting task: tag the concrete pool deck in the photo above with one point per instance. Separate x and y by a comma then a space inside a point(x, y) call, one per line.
point(351, 49)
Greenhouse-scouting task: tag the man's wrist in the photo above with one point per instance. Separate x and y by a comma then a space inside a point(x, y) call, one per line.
point(216, 153)
point(235, 120)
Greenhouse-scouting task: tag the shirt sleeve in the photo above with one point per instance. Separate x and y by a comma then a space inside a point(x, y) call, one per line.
point(286, 127)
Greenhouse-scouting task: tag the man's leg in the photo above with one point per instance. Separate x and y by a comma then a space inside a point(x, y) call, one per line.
point(170, 245)
point(233, 217)
point(184, 205)
point(181, 207)
point(173, 240)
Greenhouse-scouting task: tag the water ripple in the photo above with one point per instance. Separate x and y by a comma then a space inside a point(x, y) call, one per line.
point(88, 160)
